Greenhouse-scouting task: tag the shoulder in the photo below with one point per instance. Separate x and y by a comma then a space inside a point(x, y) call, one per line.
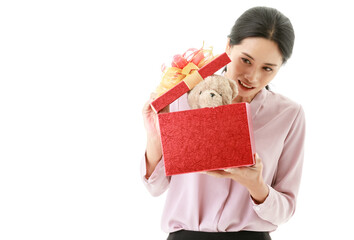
point(278, 103)
point(278, 111)
point(280, 100)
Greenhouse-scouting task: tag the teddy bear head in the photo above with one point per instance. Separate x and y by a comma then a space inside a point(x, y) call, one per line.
point(214, 91)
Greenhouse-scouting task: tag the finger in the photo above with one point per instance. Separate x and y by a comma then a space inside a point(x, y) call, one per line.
point(147, 107)
point(213, 174)
point(258, 162)
point(218, 173)
point(231, 170)
point(153, 96)
point(258, 159)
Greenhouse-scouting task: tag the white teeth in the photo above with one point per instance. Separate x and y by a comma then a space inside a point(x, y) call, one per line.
point(246, 86)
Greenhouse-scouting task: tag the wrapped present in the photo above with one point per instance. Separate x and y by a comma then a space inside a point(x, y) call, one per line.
point(186, 71)
point(207, 138)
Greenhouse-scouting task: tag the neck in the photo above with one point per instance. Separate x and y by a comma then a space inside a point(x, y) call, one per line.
point(239, 99)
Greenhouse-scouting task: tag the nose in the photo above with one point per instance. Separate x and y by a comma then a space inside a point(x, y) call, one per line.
point(212, 94)
point(251, 75)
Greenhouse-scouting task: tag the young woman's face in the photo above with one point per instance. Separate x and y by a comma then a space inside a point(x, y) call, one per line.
point(254, 63)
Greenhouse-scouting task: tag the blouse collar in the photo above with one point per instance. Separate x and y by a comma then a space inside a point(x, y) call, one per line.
point(258, 102)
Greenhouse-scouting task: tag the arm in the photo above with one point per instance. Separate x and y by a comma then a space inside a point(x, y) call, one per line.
point(152, 168)
point(280, 204)
point(275, 203)
point(153, 154)
point(153, 144)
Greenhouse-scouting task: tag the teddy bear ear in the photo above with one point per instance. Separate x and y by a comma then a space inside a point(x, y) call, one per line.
point(234, 88)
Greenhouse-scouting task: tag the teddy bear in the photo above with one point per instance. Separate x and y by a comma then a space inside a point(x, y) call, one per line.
point(213, 91)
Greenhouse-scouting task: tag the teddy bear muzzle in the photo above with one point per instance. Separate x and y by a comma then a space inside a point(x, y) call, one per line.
point(210, 99)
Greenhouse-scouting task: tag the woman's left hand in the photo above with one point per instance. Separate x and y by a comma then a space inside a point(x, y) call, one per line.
point(250, 177)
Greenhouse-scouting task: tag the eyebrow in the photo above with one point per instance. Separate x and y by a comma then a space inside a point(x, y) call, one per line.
point(269, 64)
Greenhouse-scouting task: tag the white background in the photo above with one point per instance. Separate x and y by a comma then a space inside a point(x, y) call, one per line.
point(74, 76)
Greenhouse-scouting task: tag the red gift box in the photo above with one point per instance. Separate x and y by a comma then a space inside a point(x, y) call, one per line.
point(207, 138)
point(189, 82)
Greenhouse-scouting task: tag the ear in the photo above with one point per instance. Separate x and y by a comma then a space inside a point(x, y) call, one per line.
point(193, 98)
point(228, 47)
point(233, 88)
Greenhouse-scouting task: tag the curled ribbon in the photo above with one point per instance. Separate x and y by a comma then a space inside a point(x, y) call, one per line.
point(184, 68)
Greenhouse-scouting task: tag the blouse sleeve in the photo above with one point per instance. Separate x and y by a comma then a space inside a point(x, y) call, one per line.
point(158, 182)
point(281, 201)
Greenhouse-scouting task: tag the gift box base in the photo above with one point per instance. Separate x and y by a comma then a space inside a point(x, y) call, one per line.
point(207, 139)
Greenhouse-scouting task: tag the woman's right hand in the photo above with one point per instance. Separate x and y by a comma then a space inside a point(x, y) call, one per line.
point(150, 118)
point(153, 146)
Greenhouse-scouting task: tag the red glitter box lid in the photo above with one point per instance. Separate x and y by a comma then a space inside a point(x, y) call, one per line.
point(182, 87)
point(207, 139)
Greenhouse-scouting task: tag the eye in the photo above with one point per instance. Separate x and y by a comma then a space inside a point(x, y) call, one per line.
point(220, 94)
point(200, 92)
point(245, 60)
point(268, 69)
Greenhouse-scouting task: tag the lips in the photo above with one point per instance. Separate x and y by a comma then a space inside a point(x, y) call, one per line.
point(245, 85)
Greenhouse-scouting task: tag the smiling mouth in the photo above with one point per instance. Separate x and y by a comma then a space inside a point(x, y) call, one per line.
point(245, 85)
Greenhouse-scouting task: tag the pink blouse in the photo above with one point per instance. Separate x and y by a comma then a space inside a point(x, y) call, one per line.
point(200, 202)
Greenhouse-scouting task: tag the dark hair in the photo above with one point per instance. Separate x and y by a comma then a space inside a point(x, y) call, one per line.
point(268, 23)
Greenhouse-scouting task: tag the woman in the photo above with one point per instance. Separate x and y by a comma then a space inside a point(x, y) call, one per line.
point(246, 202)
